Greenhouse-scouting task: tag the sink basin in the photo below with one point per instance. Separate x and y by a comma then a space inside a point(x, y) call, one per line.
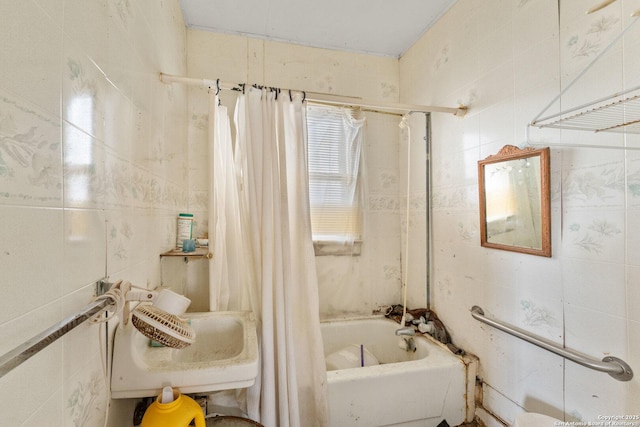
point(224, 356)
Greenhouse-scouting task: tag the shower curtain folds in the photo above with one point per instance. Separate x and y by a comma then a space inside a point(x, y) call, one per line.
point(264, 252)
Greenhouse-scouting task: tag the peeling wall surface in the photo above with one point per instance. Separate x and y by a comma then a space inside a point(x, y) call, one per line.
point(507, 60)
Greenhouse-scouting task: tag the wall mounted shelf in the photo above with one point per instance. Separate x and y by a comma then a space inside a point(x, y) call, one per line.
point(618, 112)
point(201, 252)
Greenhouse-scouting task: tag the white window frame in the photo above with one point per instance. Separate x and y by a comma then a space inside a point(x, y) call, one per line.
point(334, 155)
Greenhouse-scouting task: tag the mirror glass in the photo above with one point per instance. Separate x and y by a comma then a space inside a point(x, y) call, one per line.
point(514, 200)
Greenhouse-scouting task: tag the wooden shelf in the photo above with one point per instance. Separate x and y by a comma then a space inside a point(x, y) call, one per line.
point(201, 252)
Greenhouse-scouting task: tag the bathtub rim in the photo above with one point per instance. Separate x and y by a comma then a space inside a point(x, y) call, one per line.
point(410, 364)
point(383, 317)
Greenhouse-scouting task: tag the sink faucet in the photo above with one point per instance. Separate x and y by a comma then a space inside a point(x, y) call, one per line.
point(406, 331)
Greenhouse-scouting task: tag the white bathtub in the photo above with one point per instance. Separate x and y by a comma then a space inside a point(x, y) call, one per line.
point(405, 389)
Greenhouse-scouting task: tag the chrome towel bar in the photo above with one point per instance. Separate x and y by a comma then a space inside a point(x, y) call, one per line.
point(31, 347)
point(613, 366)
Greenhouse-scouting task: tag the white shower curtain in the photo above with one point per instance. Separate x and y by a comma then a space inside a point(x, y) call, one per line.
point(270, 266)
point(228, 277)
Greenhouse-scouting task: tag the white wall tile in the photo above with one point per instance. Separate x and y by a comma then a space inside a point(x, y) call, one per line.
point(633, 178)
point(30, 150)
point(35, 235)
point(584, 296)
point(86, 395)
point(30, 393)
point(594, 234)
point(595, 285)
point(31, 384)
point(595, 333)
point(81, 109)
point(86, 23)
point(496, 44)
point(84, 247)
point(633, 292)
point(31, 66)
point(590, 394)
point(85, 183)
point(632, 397)
point(50, 413)
point(54, 8)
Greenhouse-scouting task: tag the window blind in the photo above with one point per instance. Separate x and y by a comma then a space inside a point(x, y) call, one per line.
point(334, 151)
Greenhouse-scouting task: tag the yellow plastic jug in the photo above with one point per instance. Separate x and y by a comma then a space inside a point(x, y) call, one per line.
point(172, 409)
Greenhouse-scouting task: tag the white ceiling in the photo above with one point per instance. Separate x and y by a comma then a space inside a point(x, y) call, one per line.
point(380, 27)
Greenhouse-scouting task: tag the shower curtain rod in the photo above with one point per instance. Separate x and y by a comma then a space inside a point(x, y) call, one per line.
point(325, 98)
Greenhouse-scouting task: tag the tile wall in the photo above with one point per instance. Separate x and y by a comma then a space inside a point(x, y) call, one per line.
point(93, 171)
point(507, 60)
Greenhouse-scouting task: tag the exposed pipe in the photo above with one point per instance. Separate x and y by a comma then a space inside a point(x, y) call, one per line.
point(427, 139)
point(404, 280)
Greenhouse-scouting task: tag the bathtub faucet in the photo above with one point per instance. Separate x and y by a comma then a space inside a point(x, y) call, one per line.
point(407, 331)
point(407, 344)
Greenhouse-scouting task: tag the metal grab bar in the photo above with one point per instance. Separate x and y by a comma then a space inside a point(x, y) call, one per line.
point(24, 351)
point(613, 366)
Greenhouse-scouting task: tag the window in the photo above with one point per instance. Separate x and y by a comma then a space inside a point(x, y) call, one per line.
point(334, 156)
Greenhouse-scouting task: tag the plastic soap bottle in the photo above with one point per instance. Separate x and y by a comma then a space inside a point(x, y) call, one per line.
point(185, 228)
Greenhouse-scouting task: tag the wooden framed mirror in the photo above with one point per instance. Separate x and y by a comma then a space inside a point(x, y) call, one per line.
point(515, 201)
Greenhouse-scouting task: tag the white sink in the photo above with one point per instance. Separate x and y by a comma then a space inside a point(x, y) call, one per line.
point(224, 356)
